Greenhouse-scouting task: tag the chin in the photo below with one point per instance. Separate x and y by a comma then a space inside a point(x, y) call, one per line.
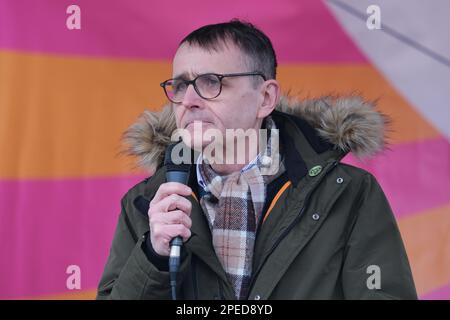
point(194, 139)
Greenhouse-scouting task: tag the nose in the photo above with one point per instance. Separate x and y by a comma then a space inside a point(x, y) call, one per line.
point(191, 98)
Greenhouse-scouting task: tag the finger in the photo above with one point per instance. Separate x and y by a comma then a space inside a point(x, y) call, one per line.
point(173, 202)
point(175, 230)
point(168, 188)
point(170, 203)
point(176, 217)
point(159, 222)
point(161, 245)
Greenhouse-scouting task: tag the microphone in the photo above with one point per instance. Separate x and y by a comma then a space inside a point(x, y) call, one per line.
point(175, 173)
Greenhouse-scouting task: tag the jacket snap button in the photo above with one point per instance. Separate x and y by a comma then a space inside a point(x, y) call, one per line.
point(266, 161)
point(339, 180)
point(314, 171)
point(316, 216)
point(257, 297)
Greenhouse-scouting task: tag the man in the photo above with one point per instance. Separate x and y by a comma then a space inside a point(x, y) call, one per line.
point(314, 228)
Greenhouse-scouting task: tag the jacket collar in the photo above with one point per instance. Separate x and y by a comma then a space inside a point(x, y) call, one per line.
point(303, 149)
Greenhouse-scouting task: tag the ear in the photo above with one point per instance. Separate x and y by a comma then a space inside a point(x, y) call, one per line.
point(270, 92)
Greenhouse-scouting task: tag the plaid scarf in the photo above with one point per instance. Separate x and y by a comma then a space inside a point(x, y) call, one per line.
point(234, 209)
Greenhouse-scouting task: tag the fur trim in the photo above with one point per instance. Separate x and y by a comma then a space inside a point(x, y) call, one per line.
point(349, 123)
point(149, 136)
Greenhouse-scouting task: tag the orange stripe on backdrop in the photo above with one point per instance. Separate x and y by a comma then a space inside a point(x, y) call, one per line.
point(63, 117)
point(427, 242)
point(74, 295)
point(316, 80)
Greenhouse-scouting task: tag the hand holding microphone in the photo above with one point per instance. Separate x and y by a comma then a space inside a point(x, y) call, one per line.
point(169, 216)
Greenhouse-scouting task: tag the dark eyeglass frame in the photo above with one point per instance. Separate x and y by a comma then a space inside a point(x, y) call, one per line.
point(219, 76)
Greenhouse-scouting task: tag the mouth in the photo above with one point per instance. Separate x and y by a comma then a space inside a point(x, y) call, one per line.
point(196, 120)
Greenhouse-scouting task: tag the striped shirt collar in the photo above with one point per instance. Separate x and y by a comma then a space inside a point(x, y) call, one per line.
point(200, 180)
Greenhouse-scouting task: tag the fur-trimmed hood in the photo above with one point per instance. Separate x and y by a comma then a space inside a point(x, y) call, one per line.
point(349, 123)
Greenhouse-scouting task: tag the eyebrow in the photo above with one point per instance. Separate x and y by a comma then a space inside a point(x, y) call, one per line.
point(185, 75)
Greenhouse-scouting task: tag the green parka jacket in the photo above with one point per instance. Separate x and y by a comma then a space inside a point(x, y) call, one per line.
point(328, 230)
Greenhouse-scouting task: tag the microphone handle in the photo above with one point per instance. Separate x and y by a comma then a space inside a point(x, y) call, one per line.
point(181, 177)
point(177, 176)
point(175, 246)
point(177, 242)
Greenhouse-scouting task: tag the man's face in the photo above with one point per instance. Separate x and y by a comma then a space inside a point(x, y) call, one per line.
point(237, 106)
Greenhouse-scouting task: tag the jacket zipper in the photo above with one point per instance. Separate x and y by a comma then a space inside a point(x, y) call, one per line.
point(288, 229)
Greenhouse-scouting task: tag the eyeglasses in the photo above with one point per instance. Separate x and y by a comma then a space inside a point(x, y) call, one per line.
point(208, 85)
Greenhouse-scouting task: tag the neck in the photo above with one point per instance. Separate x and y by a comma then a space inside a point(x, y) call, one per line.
point(226, 169)
point(236, 164)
